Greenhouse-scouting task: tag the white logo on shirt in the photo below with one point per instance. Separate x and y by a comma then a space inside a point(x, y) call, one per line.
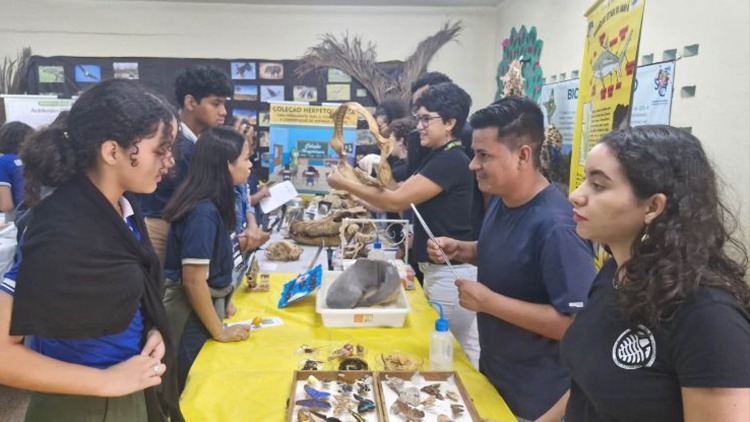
point(635, 349)
point(575, 304)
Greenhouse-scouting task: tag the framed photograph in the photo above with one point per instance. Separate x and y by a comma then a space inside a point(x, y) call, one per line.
point(264, 118)
point(338, 76)
point(51, 74)
point(88, 73)
point(338, 92)
point(271, 70)
point(124, 70)
point(243, 70)
point(270, 93)
point(305, 93)
point(264, 139)
point(250, 115)
point(246, 92)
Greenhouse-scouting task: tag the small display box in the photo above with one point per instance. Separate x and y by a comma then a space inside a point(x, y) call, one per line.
point(345, 395)
point(424, 396)
point(392, 314)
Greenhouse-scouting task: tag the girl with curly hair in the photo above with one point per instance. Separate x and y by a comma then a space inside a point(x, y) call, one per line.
point(666, 333)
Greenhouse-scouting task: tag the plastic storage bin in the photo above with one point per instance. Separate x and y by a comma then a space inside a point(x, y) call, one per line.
point(390, 315)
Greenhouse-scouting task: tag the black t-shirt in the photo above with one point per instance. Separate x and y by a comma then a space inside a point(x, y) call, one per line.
point(452, 212)
point(530, 253)
point(621, 374)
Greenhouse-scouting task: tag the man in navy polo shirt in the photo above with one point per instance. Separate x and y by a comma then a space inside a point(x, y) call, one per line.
point(534, 271)
point(201, 94)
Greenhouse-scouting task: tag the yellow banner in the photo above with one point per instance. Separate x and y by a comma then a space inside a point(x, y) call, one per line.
point(607, 73)
point(295, 114)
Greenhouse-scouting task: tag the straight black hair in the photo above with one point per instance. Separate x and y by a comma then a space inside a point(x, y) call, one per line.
point(208, 176)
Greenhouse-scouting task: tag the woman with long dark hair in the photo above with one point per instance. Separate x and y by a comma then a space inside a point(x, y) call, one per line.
point(666, 332)
point(87, 293)
point(204, 262)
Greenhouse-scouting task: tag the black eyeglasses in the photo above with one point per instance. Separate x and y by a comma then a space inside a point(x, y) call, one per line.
point(425, 119)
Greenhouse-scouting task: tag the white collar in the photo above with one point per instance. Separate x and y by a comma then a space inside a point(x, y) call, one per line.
point(187, 132)
point(127, 209)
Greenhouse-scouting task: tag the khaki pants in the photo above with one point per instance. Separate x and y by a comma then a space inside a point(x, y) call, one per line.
point(158, 230)
point(69, 408)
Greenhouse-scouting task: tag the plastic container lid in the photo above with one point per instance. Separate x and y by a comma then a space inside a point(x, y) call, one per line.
point(441, 324)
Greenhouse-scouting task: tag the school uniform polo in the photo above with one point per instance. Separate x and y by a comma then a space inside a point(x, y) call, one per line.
point(101, 352)
point(11, 175)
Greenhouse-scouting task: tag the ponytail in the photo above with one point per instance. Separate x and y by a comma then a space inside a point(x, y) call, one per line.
point(49, 160)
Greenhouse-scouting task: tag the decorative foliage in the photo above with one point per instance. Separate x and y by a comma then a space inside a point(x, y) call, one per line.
point(352, 56)
point(13, 71)
point(513, 80)
point(524, 46)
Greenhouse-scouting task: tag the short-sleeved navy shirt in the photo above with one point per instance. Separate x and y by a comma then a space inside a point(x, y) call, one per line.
point(530, 253)
point(622, 373)
point(11, 175)
point(153, 204)
point(453, 211)
point(201, 238)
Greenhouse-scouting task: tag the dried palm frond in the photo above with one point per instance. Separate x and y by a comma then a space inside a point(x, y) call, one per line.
point(417, 63)
point(13, 72)
point(350, 55)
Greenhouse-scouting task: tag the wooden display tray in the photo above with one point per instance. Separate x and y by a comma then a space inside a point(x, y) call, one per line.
point(348, 376)
point(428, 376)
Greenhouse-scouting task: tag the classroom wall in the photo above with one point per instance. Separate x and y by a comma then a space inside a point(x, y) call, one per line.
point(167, 29)
point(719, 114)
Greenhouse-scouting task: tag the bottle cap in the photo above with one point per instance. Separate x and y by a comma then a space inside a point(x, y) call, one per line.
point(441, 324)
point(376, 245)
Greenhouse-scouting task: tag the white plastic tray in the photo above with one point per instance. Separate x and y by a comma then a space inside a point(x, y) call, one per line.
point(390, 315)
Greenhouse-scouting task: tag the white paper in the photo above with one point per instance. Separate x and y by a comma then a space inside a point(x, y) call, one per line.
point(281, 193)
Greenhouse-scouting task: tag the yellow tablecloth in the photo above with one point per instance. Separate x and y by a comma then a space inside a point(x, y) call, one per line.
point(251, 380)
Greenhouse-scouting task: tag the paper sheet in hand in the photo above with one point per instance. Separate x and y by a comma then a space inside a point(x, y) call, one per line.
point(281, 193)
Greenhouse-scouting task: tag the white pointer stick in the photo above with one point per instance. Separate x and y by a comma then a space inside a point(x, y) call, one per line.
point(429, 233)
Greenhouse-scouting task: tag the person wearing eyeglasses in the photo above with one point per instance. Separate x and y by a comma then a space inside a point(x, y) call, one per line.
point(443, 191)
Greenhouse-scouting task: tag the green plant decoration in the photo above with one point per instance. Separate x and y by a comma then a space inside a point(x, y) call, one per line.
point(523, 45)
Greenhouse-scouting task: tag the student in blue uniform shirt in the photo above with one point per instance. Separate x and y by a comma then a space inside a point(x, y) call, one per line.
point(201, 93)
point(12, 135)
point(86, 284)
point(204, 262)
point(534, 271)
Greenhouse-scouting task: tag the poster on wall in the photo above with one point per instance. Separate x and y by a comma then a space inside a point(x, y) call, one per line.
point(34, 110)
point(652, 105)
point(299, 145)
point(607, 74)
point(652, 94)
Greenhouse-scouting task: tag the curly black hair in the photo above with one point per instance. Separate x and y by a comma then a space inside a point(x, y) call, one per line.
point(118, 109)
point(431, 79)
point(518, 119)
point(201, 82)
point(391, 109)
point(688, 245)
point(12, 135)
point(400, 128)
point(449, 101)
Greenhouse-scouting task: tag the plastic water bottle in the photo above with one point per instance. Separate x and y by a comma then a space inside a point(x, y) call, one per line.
point(441, 344)
point(376, 253)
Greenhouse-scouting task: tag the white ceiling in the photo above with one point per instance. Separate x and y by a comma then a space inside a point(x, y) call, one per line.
point(421, 3)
